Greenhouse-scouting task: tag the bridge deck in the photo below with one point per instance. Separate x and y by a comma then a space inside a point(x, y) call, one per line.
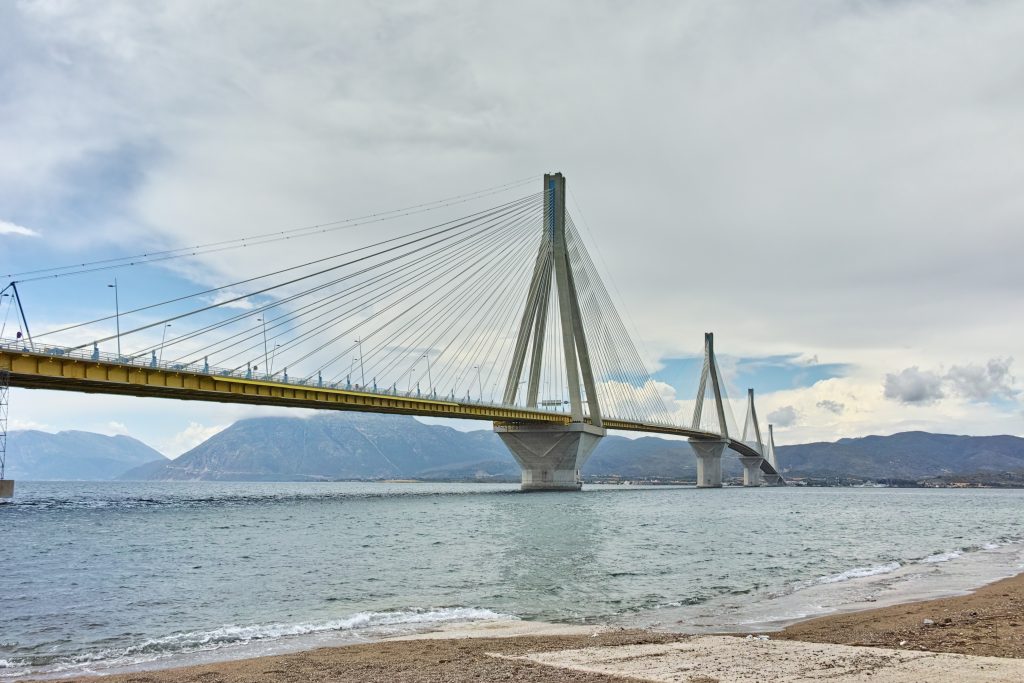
point(62, 372)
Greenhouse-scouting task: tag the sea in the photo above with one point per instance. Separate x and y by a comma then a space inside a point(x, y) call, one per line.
point(106, 577)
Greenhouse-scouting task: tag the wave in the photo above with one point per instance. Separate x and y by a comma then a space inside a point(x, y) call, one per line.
point(367, 624)
point(941, 557)
point(861, 572)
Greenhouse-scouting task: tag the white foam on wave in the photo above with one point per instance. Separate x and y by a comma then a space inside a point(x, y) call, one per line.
point(191, 642)
point(861, 572)
point(991, 546)
point(941, 557)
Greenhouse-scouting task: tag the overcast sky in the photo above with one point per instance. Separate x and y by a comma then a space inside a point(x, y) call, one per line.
point(832, 187)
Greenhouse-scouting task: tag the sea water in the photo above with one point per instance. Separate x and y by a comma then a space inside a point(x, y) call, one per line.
point(96, 577)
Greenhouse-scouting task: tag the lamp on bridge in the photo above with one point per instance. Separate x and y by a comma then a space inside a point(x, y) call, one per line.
point(117, 317)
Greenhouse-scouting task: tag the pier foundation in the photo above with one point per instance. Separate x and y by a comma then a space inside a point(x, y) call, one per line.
point(709, 463)
point(550, 456)
point(751, 470)
point(6, 488)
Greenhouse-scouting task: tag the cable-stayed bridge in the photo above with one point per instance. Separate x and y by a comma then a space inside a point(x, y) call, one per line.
point(497, 315)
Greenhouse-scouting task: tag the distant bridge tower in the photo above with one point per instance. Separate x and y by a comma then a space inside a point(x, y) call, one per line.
point(752, 437)
point(551, 456)
point(772, 478)
point(709, 452)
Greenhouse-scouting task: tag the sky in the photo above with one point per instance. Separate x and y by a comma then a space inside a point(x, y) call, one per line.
point(833, 187)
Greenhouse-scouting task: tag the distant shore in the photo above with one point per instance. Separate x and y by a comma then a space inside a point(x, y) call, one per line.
point(988, 622)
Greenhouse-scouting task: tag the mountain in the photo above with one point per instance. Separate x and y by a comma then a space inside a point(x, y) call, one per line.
point(74, 455)
point(337, 446)
point(368, 446)
point(908, 455)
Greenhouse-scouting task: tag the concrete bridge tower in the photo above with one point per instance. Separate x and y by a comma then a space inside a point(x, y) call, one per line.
point(752, 437)
point(551, 456)
point(709, 451)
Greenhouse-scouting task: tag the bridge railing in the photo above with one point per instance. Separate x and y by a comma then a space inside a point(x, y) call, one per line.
point(148, 362)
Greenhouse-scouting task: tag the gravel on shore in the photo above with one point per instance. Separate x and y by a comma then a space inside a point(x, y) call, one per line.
point(989, 622)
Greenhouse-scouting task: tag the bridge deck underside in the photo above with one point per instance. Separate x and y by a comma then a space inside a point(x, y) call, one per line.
point(40, 371)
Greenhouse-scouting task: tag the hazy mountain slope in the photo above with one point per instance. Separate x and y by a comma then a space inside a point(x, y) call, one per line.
point(367, 446)
point(74, 455)
point(908, 455)
point(333, 446)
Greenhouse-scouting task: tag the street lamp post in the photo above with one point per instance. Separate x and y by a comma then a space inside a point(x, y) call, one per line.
point(430, 380)
point(265, 354)
point(117, 318)
point(162, 340)
point(362, 374)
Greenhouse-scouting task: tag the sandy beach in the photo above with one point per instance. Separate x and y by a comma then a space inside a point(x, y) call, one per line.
point(975, 637)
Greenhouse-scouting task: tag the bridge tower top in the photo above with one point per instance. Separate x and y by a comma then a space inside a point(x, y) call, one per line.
point(710, 374)
point(553, 268)
point(751, 427)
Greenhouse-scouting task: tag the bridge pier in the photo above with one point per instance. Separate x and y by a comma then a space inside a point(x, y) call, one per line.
point(751, 470)
point(550, 456)
point(709, 462)
point(6, 488)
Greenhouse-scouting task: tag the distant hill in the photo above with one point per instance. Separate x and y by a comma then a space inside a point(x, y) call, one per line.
point(336, 445)
point(367, 446)
point(908, 455)
point(74, 455)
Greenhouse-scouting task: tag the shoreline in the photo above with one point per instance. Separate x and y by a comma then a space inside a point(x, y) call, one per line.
point(987, 622)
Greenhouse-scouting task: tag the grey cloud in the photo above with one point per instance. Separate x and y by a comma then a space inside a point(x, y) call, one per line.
point(914, 386)
point(783, 417)
point(832, 406)
point(989, 382)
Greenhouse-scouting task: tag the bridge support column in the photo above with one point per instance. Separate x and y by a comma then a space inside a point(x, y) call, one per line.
point(6, 488)
point(550, 456)
point(751, 470)
point(709, 463)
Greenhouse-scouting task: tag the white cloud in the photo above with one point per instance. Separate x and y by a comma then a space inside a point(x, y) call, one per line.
point(8, 228)
point(188, 438)
point(785, 416)
point(983, 383)
point(914, 386)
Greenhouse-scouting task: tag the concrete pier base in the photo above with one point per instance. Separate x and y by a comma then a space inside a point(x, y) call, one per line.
point(751, 470)
point(709, 463)
point(6, 488)
point(771, 479)
point(550, 456)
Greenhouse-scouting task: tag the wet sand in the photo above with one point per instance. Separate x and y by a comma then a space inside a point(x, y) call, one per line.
point(988, 622)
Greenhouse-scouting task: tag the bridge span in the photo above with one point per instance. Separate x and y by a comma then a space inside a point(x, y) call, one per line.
point(570, 370)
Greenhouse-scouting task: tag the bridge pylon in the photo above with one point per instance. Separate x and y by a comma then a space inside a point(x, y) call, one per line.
point(709, 452)
point(772, 478)
point(752, 437)
point(551, 456)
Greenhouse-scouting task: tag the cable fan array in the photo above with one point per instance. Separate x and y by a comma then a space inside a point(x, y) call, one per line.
point(432, 313)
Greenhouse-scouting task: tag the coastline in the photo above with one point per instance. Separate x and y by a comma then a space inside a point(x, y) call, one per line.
point(987, 623)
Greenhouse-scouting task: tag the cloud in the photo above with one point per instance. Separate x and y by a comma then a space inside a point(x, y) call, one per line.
point(783, 417)
point(831, 406)
point(914, 386)
point(990, 382)
point(8, 228)
point(114, 428)
point(190, 437)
